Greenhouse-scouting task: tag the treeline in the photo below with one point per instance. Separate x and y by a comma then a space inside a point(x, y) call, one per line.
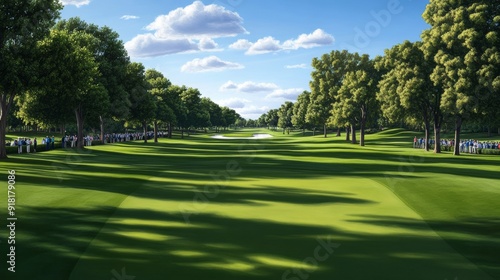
point(451, 76)
point(53, 74)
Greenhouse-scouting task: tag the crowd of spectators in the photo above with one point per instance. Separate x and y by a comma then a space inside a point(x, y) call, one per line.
point(21, 142)
point(470, 146)
point(71, 141)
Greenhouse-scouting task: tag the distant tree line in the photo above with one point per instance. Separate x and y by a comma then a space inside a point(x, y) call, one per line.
point(452, 77)
point(54, 74)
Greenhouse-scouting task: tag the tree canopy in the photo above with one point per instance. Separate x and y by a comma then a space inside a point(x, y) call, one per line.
point(22, 24)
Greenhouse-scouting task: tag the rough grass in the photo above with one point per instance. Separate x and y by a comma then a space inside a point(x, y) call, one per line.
point(203, 208)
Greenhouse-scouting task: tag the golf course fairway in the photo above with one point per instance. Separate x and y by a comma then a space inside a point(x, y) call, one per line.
point(286, 207)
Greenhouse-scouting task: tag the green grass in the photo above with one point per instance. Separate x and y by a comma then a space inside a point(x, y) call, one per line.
point(202, 208)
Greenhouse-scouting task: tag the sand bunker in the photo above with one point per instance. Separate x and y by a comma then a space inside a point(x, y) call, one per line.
point(255, 136)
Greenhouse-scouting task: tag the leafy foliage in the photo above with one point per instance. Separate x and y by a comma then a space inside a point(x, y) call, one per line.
point(22, 24)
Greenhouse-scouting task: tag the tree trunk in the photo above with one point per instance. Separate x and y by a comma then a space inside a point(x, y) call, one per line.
point(427, 134)
point(489, 131)
point(3, 126)
point(458, 128)
point(144, 131)
point(5, 102)
point(347, 134)
point(101, 125)
point(437, 136)
point(362, 132)
point(338, 132)
point(314, 131)
point(182, 132)
point(353, 134)
point(438, 119)
point(303, 132)
point(362, 124)
point(79, 125)
point(427, 128)
point(156, 131)
point(325, 132)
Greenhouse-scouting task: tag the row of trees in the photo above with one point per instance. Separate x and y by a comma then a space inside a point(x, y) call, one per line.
point(55, 73)
point(453, 74)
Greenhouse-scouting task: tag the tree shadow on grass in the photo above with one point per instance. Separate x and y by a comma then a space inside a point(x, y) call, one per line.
point(244, 249)
point(476, 239)
point(159, 245)
point(112, 172)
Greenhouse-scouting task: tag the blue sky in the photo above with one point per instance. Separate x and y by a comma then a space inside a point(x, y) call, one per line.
point(250, 55)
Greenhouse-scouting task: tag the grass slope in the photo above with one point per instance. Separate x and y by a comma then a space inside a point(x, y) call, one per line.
point(202, 208)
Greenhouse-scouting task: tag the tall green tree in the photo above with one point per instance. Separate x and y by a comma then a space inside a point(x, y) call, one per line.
point(71, 81)
point(251, 123)
point(215, 112)
point(272, 118)
point(261, 122)
point(406, 89)
point(356, 97)
point(22, 24)
point(196, 116)
point(299, 118)
point(143, 107)
point(230, 116)
point(463, 41)
point(158, 88)
point(240, 122)
point(323, 91)
point(112, 59)
point(327, 78)
point(285, 114)
point(174, 94)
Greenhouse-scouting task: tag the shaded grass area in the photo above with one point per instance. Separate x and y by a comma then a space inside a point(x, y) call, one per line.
point(216, 209)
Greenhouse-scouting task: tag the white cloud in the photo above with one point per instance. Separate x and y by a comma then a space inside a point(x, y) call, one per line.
point(307, 41)
point(287, 94)
point(249, 87)
point(187, 29)
point(77, 3)
point(296, 66)
point(269, 44)
point(147, 45)
point(228, 86)
point(265, 45)
point(256, 87)
point(234, 103)
point(252, 110)
point(129, 17)
point(198, 21)
point(209, 64)
point(208, 44)
point(241, 44)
